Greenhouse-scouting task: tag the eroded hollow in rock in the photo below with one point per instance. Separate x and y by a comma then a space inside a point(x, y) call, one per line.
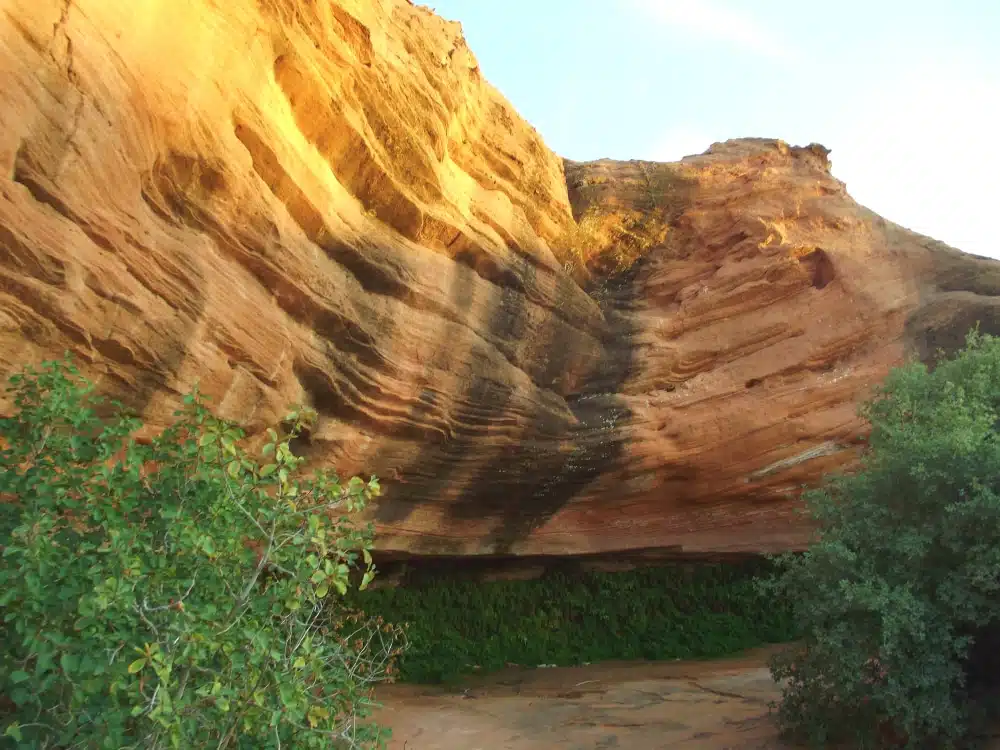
point(820, 267)
point(302, 444)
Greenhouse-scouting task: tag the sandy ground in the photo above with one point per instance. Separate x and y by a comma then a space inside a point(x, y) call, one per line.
point(633, 706)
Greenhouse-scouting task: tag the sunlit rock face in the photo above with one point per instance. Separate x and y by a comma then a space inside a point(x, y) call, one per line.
point(324, 202)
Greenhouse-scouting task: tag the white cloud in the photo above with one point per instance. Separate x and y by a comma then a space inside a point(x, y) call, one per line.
point(715, 21)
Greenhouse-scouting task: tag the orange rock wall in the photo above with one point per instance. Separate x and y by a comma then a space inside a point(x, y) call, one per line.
point(324, 202)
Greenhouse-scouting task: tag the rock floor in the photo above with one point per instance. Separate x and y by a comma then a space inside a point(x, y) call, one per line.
point(633, 706)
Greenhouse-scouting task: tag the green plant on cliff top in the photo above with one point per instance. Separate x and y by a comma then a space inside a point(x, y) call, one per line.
point(905, 572)
point(176, 593)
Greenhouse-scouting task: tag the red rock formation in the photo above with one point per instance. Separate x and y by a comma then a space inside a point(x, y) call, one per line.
point(324, 202)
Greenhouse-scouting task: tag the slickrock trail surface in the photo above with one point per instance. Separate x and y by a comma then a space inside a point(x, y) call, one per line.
point(698, 705)
point(325, 202)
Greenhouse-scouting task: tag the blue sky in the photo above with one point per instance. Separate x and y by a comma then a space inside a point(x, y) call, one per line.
point(906, 94)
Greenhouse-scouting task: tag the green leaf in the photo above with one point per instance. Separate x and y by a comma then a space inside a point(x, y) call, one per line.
point(136, 666)
point(19, 675)
point(13, 731)
point(69, 662)
point(205, 439)
point(233, 469)
point(366, 579)
point(317, 715)
point(268, 470)
point(367, 555)
point(323, 589)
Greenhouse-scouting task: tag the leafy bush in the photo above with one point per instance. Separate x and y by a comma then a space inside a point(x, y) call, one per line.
point(905, 571)
point(670, 612)
point(176, 593)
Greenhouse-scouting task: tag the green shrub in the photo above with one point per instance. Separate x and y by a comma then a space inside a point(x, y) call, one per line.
point(906, 566)
point(670, 612)
point(176, 593)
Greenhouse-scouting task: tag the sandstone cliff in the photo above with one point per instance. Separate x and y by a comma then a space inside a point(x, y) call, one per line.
point(324, 202)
